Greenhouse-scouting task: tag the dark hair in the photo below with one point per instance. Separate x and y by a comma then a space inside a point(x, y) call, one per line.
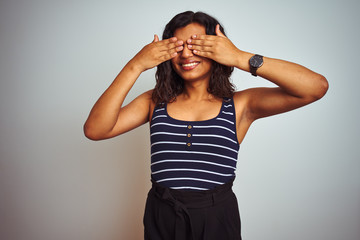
point(169, 84)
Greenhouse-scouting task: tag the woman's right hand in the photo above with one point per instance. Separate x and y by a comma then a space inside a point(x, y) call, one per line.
point(108, 117)
point(157, 52)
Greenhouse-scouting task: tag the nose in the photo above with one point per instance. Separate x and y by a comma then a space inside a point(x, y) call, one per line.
point(186, 52)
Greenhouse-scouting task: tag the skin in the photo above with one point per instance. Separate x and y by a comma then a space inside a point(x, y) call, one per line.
point(297, 85)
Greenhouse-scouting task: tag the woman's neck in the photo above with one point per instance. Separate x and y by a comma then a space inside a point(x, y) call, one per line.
point(196, 91)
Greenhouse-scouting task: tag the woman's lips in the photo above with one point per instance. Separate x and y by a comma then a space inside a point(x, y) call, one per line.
point(189, 66)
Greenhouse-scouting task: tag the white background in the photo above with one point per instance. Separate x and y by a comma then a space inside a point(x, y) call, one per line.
point(298, 173)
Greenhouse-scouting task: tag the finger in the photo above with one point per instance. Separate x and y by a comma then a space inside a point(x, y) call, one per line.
point(204, 37)
point(202, 42)
point(200, 48)
point(175, 49)
point(168, 43)
point(175, 44)
point(202, 54)
point(172, 51)
point(168, 53)
point(163, 42)
point(166, 47)
point(156, 38)
point(168, 56)
point(179, 48)
point(170, 40)
point(218, 32)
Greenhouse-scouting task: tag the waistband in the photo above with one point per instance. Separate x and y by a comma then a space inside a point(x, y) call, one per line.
point(194, 198)
point(183, 200)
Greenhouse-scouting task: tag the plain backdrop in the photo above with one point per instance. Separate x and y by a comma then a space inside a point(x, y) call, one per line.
point(298, 174)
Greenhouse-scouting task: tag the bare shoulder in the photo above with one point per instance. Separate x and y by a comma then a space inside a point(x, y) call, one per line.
point(144, 98)
point(147, 95)
point(147, 98)
point(138, 110)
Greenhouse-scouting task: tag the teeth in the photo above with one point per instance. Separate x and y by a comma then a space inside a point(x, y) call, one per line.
point(190, 64)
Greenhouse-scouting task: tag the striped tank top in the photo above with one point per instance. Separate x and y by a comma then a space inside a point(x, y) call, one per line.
point(194, 155)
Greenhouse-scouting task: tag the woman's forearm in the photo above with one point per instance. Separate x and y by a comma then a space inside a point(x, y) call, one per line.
point(293, 78)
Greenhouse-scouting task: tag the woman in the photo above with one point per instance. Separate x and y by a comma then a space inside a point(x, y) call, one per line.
point(197, 122)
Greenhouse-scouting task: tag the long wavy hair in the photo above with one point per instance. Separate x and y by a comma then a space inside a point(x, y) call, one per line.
point(169, 84)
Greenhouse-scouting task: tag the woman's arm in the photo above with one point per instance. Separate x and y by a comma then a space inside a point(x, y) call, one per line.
point(298, 85)
point(108, 118)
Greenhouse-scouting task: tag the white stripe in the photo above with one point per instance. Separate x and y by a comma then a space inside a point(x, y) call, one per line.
point(212, 135)
point(193, 161)
point(193, 152)
point(195, 179)
point(228, 106)
point(229, 113)
point(186, 187)
point(165, 142)
point(192, 170)
point(160, 109)
point(223, 119)
point(167, 133)
point(214, 126)
point(215, 145)
point(168, 124)
point(159, 116)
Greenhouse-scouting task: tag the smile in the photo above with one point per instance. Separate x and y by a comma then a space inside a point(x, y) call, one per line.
point(189, 66)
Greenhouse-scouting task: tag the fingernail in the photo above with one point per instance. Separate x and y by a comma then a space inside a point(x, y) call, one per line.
point(194, 36)
point(189, 46)
point(189, 40)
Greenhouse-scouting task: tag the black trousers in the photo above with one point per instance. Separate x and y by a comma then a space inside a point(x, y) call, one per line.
point(192, 215)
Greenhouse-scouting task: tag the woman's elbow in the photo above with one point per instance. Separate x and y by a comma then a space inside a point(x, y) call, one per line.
point(90, 133)
point(322, 86)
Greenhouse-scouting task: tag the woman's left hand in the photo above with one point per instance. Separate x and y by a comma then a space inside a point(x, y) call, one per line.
point(219, 48)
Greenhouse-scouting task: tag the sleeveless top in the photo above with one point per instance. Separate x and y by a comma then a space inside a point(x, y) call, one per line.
point(193, 155)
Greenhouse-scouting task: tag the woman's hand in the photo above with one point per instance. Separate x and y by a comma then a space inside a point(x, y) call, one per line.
point(219, 48)
point(157, 52)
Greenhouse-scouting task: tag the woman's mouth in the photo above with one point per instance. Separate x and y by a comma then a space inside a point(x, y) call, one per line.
point(189, 66)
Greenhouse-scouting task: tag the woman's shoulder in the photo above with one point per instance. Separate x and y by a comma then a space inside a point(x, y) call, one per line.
point(145, 98)
point(148, 95)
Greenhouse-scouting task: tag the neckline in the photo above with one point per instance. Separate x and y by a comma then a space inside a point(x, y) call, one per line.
point(200, 121)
